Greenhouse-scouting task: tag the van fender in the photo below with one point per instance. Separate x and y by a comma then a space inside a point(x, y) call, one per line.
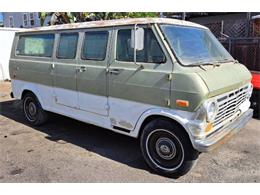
point(181, 117)
point(21, 87)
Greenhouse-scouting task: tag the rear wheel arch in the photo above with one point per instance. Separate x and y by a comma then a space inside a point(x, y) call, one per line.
point(32, 108)
point(34, 92)
point(25, 92)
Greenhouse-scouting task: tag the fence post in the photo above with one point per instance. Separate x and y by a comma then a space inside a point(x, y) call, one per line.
point(229, 45)
point(248, 24)
point(183, 16)
point(222, 28)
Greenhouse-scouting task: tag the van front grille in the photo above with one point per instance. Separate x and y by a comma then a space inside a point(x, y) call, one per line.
point(229, 103)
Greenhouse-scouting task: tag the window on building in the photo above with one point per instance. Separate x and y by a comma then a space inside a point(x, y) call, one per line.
point(11, 21)
point(68, 45)
point(25, 20)
point(152, 52)
point(32, 19)
point(95, 45)
point(40, 45)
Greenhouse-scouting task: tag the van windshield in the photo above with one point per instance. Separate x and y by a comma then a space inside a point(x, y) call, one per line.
point(195, 46)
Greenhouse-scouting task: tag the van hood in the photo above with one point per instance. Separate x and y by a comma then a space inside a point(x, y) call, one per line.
point(225, 77)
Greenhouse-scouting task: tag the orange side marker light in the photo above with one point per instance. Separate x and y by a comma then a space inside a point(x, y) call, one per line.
point(182, 103)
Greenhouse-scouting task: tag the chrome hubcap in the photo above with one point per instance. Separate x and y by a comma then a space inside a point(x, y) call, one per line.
point(165, 148)
point(32, 109)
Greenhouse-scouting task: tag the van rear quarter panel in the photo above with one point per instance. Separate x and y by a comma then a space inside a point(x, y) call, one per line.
point(34, 70)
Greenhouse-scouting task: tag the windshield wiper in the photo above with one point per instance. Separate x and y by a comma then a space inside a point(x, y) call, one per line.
point(202, 68)
point(226, 60)
point(209, 63)
point(205, 64)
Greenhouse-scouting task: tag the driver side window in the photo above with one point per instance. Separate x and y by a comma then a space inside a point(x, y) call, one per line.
point(152, 52)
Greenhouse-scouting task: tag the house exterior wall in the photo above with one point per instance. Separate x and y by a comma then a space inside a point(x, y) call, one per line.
point(18, 19)
point(6, 39)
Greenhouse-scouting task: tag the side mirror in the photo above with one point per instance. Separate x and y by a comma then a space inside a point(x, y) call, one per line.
point(137, 39)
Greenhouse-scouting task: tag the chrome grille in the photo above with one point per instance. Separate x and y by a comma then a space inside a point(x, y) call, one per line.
point(228, 105)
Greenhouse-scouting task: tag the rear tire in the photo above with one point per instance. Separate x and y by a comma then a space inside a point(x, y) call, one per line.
point(167, 148)
point(33, 111)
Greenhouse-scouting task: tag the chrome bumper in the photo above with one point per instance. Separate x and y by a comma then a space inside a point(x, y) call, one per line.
point(218, 138)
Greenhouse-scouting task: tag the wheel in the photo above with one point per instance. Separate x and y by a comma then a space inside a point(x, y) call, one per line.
point(33, 111)
point(167, 149)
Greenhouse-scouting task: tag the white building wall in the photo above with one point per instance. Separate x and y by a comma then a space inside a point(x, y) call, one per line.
point(6, 41)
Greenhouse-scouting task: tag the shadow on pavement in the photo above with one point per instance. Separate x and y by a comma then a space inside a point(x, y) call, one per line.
point(103, 142)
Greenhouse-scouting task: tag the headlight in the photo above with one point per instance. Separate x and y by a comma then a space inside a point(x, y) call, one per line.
point(203, 118)
point(211, 110)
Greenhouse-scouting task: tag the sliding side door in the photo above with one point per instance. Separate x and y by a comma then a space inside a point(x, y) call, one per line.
point(64, 68)
point(92, 76)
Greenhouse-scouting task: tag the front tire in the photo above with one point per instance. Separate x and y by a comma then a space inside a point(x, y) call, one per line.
point(33, 111)
point(167, 149)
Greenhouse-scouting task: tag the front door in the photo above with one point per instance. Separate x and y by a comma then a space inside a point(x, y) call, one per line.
point(134, 88)
point(92, 76)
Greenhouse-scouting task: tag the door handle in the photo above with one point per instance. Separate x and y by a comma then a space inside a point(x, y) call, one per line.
point(114, 71)
point(52, 66)
point(82, 69)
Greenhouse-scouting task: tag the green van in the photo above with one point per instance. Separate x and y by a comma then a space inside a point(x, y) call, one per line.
point(167, 82)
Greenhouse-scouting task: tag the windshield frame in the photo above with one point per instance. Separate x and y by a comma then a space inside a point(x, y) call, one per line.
point(195, 64)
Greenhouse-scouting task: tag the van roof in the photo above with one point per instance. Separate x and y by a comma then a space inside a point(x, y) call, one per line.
point(118, 22)
point(11, 29)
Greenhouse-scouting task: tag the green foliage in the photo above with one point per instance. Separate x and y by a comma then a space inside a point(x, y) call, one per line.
point(70, 17)
point(118, 15)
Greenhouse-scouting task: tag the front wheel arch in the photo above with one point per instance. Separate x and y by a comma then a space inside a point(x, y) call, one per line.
point(190, 155)
point(154, 117)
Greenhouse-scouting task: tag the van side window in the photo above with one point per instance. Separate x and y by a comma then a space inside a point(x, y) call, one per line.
point(68, 45)
point(95, 45)
point(40, 45)
point(152, 52)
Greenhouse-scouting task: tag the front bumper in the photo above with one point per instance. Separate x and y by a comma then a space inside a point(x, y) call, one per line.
point(221, 136)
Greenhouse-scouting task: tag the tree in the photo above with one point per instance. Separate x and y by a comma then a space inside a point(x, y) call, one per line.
point(71, 17)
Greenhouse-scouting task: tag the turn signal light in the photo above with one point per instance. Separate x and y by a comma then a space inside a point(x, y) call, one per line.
point(209, 127)
point(182, 103)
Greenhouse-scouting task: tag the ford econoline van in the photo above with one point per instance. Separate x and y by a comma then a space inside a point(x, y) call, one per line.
point(167, 82)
